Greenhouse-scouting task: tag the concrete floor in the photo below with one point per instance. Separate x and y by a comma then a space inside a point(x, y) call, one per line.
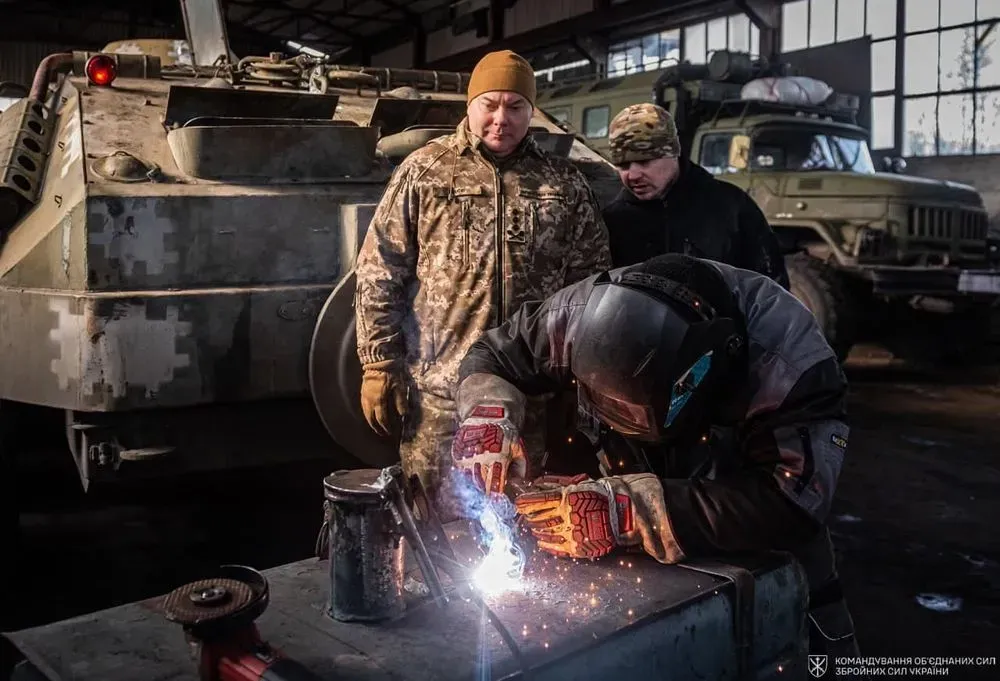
point(916, 516)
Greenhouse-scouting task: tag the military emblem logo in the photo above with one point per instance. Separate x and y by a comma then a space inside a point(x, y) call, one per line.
point(817, 665)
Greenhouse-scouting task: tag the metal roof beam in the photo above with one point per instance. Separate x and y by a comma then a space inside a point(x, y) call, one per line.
point(399, 7)
point(766, 16)
point(561, 32)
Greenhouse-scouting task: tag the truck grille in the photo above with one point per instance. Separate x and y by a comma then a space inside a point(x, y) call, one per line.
point(926, 222)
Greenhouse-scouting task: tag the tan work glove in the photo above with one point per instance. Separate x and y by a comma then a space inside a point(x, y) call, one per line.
point(576, 517)
point(487, 446)
point(383, 385)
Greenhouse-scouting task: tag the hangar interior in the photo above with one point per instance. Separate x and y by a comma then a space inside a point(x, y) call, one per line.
point(933, 74)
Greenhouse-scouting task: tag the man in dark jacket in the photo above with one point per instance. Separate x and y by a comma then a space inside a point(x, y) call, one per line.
point(670, 205)
point(728, 396)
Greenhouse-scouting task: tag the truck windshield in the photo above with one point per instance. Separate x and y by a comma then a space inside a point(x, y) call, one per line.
point(788, 148)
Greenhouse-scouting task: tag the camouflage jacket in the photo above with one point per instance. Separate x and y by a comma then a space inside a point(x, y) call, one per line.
point(459, 242)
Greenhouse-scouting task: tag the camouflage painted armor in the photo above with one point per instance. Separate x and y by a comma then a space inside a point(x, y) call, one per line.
point(642, 132)
point(457, 243)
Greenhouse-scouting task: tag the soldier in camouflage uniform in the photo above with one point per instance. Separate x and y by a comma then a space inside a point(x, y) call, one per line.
point(470, 226)
point(671, 205)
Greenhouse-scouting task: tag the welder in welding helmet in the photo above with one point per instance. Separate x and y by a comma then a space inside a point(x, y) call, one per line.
point(650, 353)
point(660, 352)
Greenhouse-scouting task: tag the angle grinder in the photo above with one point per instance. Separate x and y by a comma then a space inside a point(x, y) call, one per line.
point(218, 618)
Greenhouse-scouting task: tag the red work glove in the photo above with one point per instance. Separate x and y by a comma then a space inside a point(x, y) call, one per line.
point(487, 446)
point(574, 517)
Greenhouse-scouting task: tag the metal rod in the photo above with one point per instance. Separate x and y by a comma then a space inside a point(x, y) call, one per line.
point(404, 518)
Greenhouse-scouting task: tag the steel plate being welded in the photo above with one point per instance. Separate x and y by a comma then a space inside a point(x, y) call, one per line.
point(618, 618)
point(335, 380)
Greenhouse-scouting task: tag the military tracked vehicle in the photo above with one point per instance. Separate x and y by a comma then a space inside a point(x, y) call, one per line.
point(173, 226)
point(876, 256)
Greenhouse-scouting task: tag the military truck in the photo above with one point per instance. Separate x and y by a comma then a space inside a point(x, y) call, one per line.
point(173, 224)
point(876, 256)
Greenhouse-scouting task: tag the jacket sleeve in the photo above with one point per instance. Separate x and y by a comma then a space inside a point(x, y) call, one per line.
point(791, 445)
point(591, 251)
point(385, 268)
point(529, 354)
point(757, 247)
point(791, 462)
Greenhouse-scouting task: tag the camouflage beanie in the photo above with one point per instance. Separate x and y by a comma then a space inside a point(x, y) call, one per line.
point(642, 132)
point(503, 71)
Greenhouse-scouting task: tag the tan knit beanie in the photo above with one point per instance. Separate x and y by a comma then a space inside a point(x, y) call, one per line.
point(503, 70)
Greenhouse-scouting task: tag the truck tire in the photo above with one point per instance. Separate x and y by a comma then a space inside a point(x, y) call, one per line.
point(818, 286)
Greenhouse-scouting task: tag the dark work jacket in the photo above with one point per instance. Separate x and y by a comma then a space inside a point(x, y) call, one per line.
point(699, 216)
point(786, 411)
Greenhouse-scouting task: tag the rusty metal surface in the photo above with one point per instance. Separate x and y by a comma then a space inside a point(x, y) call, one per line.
point(395, 115)
point(138, 288)
point(177, 290)
point(185, 102)
point(622, 615)
point(301, 153)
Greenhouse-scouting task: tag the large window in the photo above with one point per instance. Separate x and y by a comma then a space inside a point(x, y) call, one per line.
point(951, 77)
point(694, 43)
point(647, 53)
point(556, 72)
point(734, 33)
point(946, 90)
point(814, 23)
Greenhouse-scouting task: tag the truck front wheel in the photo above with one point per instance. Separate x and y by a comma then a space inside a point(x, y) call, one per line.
point(819, 287)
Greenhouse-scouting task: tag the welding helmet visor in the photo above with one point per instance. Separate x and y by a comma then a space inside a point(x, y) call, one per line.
point(647, 356)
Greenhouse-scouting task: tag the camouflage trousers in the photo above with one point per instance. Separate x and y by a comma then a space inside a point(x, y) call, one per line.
point(425, 447)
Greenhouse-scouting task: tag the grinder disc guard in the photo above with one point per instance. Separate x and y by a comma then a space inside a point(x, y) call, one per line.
point(220, 605)
point(205, 600)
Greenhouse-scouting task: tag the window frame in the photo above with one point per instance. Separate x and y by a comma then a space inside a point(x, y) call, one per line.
point(729, 134)
point(976, 92)
point(898, 93)
point(896, 98)
point(583, 121)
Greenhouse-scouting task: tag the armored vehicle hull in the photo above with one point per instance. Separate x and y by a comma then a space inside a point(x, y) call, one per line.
point(170, 239)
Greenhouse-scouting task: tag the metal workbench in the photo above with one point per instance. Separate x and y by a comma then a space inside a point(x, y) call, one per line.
point(573, 620)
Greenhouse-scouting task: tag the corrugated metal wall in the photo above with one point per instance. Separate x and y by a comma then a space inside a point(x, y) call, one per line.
point(399, 57)
point(442, 43)
point(525, 16)
point(18, 60)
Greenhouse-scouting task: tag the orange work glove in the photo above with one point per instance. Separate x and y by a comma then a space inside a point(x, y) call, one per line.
point(576, 517)
point(383, 386)
point(487, 446)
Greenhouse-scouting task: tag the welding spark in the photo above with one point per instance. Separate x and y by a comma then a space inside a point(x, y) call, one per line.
point(503, 565)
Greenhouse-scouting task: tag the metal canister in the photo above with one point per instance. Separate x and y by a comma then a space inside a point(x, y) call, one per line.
point(366, 549)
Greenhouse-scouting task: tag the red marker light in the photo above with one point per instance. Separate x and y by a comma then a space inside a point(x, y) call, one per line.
point(101, 70)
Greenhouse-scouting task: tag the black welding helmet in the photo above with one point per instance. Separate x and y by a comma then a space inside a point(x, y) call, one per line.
point(653, 348)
